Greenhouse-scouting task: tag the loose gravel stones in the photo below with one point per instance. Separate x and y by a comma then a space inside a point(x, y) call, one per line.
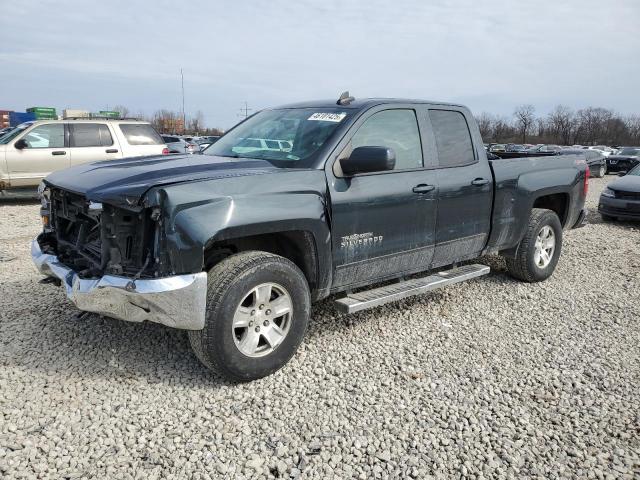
point(487, 379)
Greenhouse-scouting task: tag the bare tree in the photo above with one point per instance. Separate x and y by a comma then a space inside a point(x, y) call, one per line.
point(562, 122)
point(524, 118)
point(485, 122)
point(124, 111)
point(196, 123)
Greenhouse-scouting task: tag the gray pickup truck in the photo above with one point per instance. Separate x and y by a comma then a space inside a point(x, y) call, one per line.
point(234, 245)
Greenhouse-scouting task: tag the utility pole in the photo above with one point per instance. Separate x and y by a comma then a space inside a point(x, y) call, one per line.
point(244, 111)
point(184, 116)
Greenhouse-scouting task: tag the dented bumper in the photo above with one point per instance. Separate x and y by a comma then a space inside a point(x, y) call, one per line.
point(177, 301)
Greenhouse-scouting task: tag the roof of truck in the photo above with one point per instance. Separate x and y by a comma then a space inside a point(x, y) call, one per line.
point(362, 103)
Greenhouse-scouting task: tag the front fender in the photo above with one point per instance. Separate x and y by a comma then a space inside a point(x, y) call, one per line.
point(198, 214)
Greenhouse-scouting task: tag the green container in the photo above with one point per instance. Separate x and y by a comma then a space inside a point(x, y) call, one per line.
point(109, 114)
point(49, 110)
point(45, 116)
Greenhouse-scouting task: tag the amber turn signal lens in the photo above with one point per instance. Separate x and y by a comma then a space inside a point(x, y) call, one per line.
point(45, 220)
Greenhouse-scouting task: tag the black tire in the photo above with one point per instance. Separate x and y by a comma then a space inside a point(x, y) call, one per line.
point(523, 266)
point(229, 282)
point(607, 218)
point(602, 171)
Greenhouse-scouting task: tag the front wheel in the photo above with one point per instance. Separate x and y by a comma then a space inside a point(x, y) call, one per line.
point(602, 171)
point(258, 307)
point(539, 250)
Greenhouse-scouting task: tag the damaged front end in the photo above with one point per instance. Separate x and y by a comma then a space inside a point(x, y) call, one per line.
point(104, 257)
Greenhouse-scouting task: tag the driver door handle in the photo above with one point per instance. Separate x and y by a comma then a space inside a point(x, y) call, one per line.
point(111, 150)
point(423, 188)
point(59, 152)
point(479, 182)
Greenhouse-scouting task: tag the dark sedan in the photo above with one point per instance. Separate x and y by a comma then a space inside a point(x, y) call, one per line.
point(621, 198)
point(595, 159)
point(624, 161)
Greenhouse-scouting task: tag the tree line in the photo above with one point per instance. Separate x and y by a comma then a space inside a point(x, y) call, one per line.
point(562, 126)
point(171, 122)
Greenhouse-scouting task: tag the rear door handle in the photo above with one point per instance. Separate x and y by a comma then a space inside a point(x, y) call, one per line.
point(111, 150)
point(423, 188)
point(479, 182)
point(59, 152)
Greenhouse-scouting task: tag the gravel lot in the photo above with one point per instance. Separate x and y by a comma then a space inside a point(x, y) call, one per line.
point(488, 379)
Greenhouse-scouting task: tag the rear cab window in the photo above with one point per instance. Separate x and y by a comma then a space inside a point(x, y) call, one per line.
point(140, 134)
point(453, 139)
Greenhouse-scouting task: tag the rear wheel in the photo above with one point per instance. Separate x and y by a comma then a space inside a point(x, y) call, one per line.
point(258, 307)
point(602, 171)
point(539, 250)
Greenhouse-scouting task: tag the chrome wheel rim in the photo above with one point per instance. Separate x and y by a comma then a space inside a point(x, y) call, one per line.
point(545, 246)
point(602, 172)
point(262, 320)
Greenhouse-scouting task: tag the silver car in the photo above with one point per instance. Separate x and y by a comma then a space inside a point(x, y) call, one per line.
point(177, 144)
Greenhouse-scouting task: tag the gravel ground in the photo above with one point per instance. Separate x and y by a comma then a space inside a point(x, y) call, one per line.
point(488, 379)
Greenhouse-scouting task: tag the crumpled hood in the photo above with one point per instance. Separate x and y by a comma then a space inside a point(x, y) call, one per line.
point(628, 183)
point(124, 182)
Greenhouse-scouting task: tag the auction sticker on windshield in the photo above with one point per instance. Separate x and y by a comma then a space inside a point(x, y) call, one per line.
point(328, 117)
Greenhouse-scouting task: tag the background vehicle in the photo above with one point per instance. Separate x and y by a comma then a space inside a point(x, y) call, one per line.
point(177, 144)
point(621, 198)
point(544, 149)
point(624, 161)
point(606, 151)
point(595, 159)
point(35, 149)
point(235, 248)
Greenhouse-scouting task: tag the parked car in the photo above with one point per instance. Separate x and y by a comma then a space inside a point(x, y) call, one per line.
point(544, 149)
point(514, 147)
point(6, 130)
point(209, 139)
point(35, 149)
point(621, 198)
point(606, 151)
point(595, 159)
point(235, 247)
point(177, 144)
point(498, 147)
point(624, 161)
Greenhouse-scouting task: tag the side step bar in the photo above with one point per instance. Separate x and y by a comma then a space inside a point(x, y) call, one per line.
point(355, 302)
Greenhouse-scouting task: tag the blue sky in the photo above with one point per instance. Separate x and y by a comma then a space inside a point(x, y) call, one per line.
point(489, 55)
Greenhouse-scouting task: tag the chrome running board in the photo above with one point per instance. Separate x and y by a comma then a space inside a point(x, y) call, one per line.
point(354, 302)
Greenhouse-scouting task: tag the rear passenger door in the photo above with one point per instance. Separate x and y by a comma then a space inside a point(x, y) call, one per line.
point(465, 189)
point(91, 142)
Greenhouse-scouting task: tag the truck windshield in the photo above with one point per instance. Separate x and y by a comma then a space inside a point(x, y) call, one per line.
point(287, 138)
point(14, 133)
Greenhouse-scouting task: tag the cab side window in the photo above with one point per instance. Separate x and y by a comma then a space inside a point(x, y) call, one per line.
point(90, 135)
point(395, 129)
point(46, 136)
point(453, 140)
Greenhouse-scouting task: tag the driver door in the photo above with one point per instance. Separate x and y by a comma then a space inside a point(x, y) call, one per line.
point(45, 151)
point(383, 223)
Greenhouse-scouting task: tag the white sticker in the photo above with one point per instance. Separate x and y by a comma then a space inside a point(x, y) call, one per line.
point(328, 117)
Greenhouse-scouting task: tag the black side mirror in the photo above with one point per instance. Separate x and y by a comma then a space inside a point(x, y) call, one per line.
point(20, 144)
point(368, 160)
point(622, 174)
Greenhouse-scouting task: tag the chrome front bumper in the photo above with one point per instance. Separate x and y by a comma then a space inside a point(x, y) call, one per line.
point(178, 301)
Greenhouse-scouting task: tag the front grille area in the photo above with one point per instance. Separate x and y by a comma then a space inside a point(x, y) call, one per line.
point(94, 241)
point(627, 195)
